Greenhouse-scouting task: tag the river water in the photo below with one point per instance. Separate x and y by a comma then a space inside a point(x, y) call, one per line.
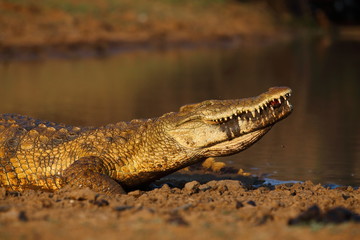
point(320, 141)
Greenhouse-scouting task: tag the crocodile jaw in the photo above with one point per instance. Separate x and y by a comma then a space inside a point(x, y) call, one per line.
point(225, 127)
point(235, 145)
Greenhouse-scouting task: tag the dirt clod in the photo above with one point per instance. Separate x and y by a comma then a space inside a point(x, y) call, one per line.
point(192, 187)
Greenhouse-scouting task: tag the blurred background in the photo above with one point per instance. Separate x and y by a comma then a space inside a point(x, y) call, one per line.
point(99, 61)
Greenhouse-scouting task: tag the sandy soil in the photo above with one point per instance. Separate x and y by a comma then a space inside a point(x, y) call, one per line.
point(193, 204)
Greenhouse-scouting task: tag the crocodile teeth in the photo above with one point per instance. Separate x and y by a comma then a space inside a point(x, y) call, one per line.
point(262, 111)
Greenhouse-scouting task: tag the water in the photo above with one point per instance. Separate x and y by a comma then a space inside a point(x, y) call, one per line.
point(320, 141)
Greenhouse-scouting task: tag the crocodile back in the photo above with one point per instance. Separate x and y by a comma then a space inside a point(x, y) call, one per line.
point(29, 152)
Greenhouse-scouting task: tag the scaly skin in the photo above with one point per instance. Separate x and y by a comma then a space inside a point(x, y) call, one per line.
point(43, 155)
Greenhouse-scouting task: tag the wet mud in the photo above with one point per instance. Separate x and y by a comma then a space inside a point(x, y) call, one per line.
point(194, 205)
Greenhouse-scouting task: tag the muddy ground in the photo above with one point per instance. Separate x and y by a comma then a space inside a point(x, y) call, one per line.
point(70, 28)
point(196, 205)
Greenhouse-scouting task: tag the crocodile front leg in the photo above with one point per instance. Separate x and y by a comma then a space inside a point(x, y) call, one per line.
point(91, 172)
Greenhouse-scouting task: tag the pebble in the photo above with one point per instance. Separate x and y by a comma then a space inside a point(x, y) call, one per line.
point(192, 187)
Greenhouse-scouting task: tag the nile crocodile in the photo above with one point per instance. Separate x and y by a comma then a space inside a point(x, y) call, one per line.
point(44, 155)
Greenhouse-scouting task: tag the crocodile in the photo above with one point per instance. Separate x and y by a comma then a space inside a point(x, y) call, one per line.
point(114, 158)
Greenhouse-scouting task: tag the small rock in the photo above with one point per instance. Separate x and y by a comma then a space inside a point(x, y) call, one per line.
point(100, 202)
point(192, 187)
point(239, 205)
point(339, 215)
point(243, 173)
point(22, 216)
point(233, 185)
point(46, 203)
point(165, 188)
point(217, 166)
point(313, 213)
point(251, 202)
point(122, 208)
point(177, 220)
point(266, 218)
point(333, 216)
point(345, 197)
point(204, 187)
point(221, 186)
point(212, 184)
point(208, 163)
point(135, 193)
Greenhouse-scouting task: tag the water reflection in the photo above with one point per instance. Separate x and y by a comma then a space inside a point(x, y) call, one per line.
point(320, 141)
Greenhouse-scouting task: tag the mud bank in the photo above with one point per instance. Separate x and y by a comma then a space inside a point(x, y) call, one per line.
point(205, 208)
point(75, 27)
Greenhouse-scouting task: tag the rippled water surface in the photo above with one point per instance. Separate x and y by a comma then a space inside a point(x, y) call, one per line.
point(320, 141)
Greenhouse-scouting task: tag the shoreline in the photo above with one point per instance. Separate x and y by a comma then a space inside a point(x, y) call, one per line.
point(32, 30)
point(105, 49)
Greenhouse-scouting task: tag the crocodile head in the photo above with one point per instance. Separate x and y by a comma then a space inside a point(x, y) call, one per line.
point(225, 127)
